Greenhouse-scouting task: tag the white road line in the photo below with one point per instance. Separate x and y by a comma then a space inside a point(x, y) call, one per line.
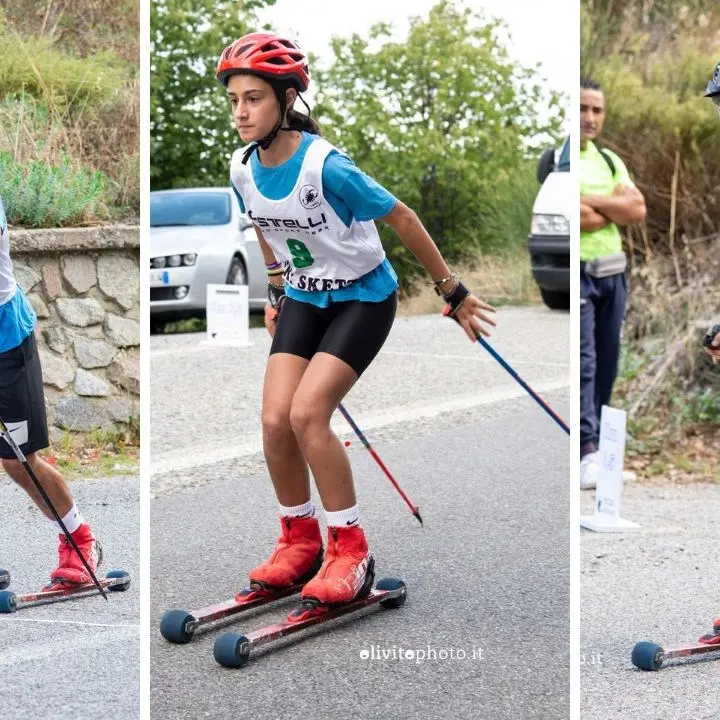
point(187, 458)
point(475, 356)
point(51, 650)
point(75, 622)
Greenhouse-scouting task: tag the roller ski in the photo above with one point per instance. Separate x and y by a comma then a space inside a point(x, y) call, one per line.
point(79, 553)
point(297, 557)
point(649, 656)
point(4, 579)
point(114, 581)
point(342, 586)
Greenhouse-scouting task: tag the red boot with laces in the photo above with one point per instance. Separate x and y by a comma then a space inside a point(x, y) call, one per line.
point(70, 569)
point(347, 573)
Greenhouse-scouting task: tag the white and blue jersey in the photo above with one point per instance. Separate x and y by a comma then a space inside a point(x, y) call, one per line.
point(17, 318)
point(335, 253)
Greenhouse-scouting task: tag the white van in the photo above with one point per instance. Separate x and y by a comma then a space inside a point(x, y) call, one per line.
point(549, 239)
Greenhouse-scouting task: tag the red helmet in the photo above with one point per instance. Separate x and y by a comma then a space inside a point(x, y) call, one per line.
point(269, 56)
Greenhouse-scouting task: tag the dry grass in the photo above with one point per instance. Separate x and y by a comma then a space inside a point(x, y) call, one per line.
point(70, 88)
point(499, 280)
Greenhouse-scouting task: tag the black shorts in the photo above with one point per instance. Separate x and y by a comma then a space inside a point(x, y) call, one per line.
point(22, 400)
point(353, 331)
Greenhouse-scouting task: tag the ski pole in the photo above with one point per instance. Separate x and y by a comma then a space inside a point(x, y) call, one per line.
point(446, 312)
point(5, 434)
point(376, 457)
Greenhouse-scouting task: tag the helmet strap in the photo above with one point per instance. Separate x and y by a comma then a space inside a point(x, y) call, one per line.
point(267, 141)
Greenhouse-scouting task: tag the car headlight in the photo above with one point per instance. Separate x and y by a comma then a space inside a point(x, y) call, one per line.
point(189, 259)
point(158, 262)
point(174, 260)
point(550, 225)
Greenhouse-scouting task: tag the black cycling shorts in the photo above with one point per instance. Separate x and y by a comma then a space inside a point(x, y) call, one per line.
point(22, 400)
point(353, 331)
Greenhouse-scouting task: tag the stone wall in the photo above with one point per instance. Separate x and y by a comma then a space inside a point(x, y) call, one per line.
point(85, 287)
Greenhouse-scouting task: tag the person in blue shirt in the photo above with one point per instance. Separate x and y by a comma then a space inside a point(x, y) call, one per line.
point(22, 410)
point(332, 300)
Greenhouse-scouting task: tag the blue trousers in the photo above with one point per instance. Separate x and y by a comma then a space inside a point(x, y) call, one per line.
point(602, 307)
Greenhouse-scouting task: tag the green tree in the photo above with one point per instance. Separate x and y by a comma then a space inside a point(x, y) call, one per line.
point(441, 119)
point(190, 125)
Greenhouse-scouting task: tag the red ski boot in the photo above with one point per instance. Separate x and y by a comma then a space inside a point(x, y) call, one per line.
point(712, 638)
point(70, 570)
point(346, 574)
point(297, 556)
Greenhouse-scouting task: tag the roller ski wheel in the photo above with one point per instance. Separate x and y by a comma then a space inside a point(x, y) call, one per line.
point(647, 656)
point(232, 650)
point(4, 579)
point(8, 602)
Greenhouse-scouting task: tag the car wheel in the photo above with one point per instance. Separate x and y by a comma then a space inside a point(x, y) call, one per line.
point(237, 274)
point(555, 299)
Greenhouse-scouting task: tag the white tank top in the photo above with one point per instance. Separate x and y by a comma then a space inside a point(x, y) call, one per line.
point(7, 280)
point(319, 251)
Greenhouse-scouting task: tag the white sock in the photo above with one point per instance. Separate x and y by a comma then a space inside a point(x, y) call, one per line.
point(73, 520)
point(306, 510)
point(343, 518)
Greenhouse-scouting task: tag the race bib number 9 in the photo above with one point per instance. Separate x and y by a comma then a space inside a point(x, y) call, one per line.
point(299, 253)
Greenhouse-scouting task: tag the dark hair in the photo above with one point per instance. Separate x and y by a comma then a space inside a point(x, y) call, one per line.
point(295, 120)
point(300, 121)
point(587, 83)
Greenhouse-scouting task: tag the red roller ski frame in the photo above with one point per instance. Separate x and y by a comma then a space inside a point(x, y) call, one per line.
point(649, 656)
point(115, 581)
point(232, 650)
point(179, 626)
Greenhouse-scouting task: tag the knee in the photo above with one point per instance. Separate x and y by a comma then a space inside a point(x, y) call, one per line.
point(306, 415)
point(276, 425)
point(15, 469)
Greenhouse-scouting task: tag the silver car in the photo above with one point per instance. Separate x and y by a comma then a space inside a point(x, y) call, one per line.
point(199, 236)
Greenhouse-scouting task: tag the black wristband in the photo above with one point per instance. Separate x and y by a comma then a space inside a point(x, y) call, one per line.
point(456, 297)
point(275, 295)
point(710, 335)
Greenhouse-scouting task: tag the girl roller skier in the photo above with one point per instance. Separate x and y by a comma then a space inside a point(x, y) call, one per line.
point(332, 300)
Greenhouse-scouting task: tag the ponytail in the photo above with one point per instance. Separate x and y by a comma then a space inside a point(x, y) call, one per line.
point(299, 121)
point(295, 120)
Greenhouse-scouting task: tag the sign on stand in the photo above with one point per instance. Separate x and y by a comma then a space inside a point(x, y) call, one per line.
point(228, 316)
point(610, 480)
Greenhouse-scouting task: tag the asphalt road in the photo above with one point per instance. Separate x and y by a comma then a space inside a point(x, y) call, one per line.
point(77, 659)
point(661, 585)
point(487, 575)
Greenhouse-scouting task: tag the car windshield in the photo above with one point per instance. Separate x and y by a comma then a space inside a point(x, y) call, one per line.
point(564, 160)
point(189, 208)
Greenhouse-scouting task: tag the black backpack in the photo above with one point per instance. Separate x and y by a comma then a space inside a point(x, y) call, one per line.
point(546, 163)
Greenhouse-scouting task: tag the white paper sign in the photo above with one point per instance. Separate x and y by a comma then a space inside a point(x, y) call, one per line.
point(612, 454)
point(228, 315)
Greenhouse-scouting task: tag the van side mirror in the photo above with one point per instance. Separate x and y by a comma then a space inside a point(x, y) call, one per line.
point(244, 223)
point(546, 164)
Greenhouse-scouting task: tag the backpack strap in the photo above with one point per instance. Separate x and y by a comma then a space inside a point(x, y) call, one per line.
point(608, 159)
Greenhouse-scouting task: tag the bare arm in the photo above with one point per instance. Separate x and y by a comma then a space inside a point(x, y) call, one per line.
point(265, 249)
point(590, 220)
point(625, 206)
point(415, 237)
point(271, 315)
